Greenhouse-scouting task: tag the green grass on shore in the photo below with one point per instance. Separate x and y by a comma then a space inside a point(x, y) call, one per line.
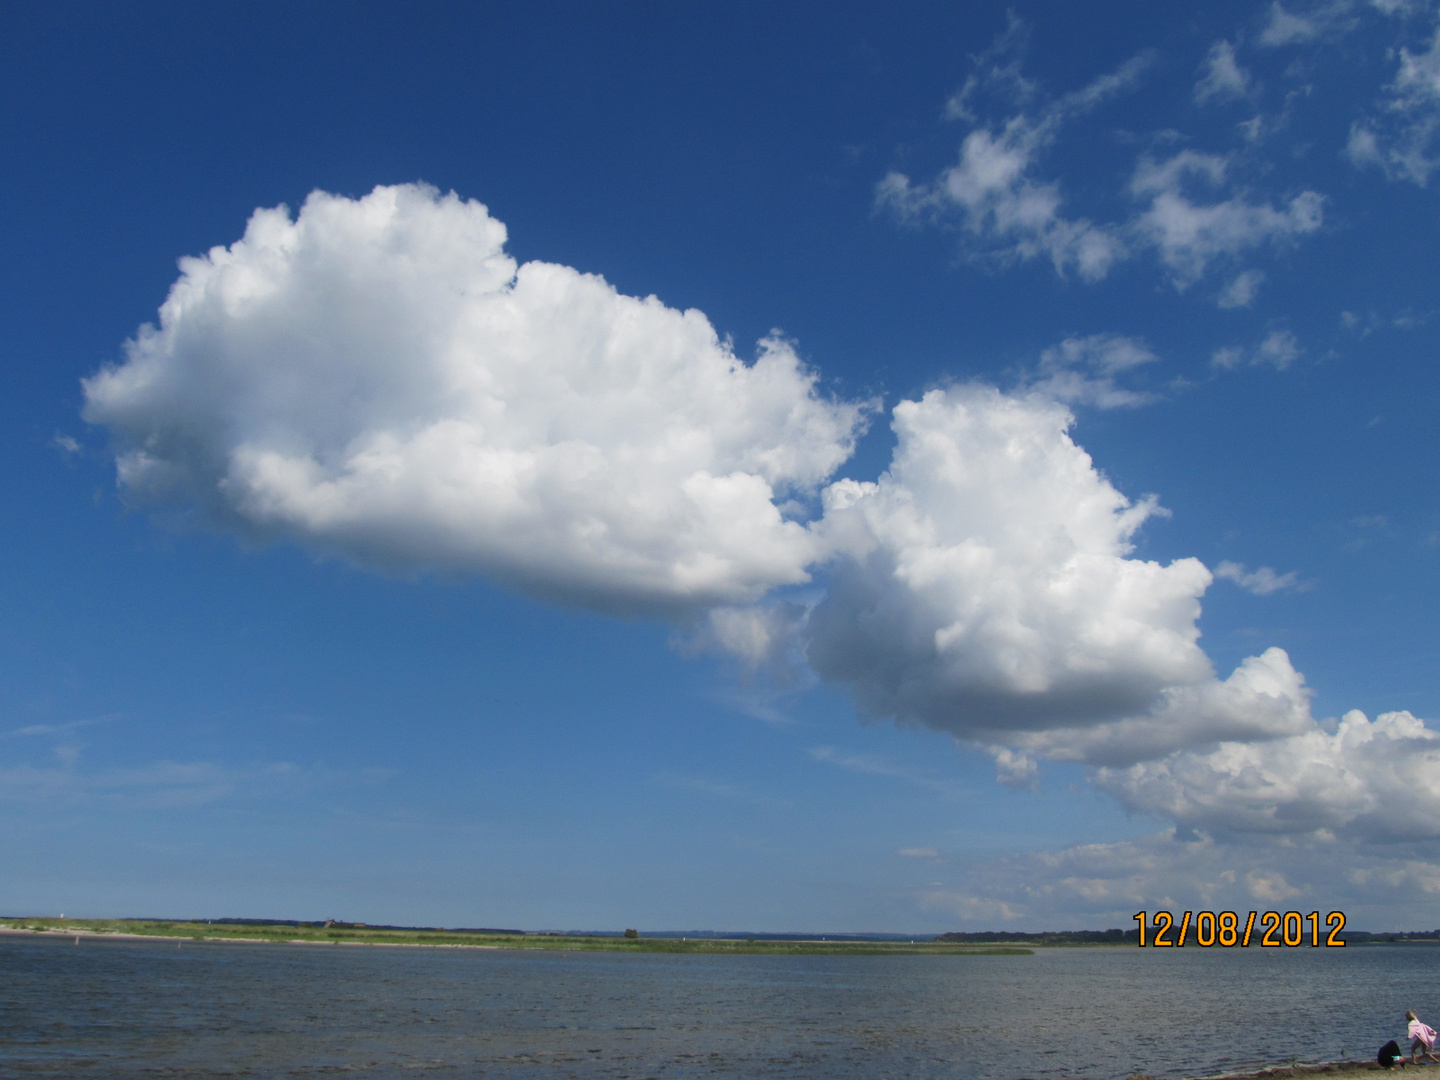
point(360, 935)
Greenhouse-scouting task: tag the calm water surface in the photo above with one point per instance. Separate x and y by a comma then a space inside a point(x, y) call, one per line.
point(121, 1009)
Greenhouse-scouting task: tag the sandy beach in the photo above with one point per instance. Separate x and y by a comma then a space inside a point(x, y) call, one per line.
point(1335, 1070)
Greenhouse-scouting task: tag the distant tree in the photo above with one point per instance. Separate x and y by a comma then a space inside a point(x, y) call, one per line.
point(632, 933)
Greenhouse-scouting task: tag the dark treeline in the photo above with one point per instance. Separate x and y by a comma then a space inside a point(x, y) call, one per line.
point(1048, 937)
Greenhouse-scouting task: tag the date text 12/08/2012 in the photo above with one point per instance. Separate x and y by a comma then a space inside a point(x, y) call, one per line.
point(1223, 929)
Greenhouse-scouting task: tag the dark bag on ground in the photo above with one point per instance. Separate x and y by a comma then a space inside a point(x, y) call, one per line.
point(1388, 1053)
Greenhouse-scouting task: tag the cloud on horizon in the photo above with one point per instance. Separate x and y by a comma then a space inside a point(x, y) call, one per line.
point(1368, 781)
point(1182, 870)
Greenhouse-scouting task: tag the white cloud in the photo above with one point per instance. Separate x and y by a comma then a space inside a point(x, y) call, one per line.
point(1083, 370)
point(986, 591)
point(1242, 290)
point(764, 637)
point(1261, 582)
point(1263, 698)
point(1283, 28)
point(163, 785)
point(1227, 357)
point(874, 765)
point(719, 789)
point(59, 729)
point(1390, 886)
point(1346, 818)
point(750, 633)
point(918, 853)
point(1314, 22)
point(1189, 234)
point(1224, 79)
point(1400, 137)
point(998, 70)
point(1015, 769)
point(1400, 7)
point(1278, 349)
point(1363, 147)
point(377, 378)
point(970, 910)
point(1006, 212)
point(1086, 883)
point(1369, 781)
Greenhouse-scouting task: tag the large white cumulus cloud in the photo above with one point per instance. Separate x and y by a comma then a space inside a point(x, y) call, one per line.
point(378, 378)
point(986, 589)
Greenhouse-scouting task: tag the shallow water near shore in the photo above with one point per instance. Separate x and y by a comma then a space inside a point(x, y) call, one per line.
point(122, 1009)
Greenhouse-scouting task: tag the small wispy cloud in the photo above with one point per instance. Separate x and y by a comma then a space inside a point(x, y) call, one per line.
point(1005, 210)
point(1191, 229)
point(874, 765)
point(1242, 290)
point(918, 853)
point(1262, 581)
point(59, 729)
point(1191, 212)
point(165, 785)
point(1401, 137)
point(718, 789)
point(1084, 371)
point(1302, 24)
point(1224, 79)
point(1278, 349)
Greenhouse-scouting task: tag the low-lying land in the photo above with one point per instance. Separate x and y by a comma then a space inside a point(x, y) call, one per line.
point(352, 934)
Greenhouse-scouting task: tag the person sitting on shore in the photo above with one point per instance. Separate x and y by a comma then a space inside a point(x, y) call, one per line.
point(1390, 1055)
point(1424, 1035)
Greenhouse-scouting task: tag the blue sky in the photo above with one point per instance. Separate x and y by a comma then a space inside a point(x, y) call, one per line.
point(720, 466)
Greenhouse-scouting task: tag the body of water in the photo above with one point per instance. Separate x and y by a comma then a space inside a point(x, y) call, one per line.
point(122, 1009)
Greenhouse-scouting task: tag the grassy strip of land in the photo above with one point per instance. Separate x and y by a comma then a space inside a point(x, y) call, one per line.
point(281, 933)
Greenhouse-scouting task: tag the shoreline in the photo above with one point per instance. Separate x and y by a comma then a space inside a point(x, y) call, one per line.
point(1333, 1070)
point(271, 934)
point(121, 935)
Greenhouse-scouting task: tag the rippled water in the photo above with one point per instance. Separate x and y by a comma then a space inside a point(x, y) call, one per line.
point(121, 1009)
